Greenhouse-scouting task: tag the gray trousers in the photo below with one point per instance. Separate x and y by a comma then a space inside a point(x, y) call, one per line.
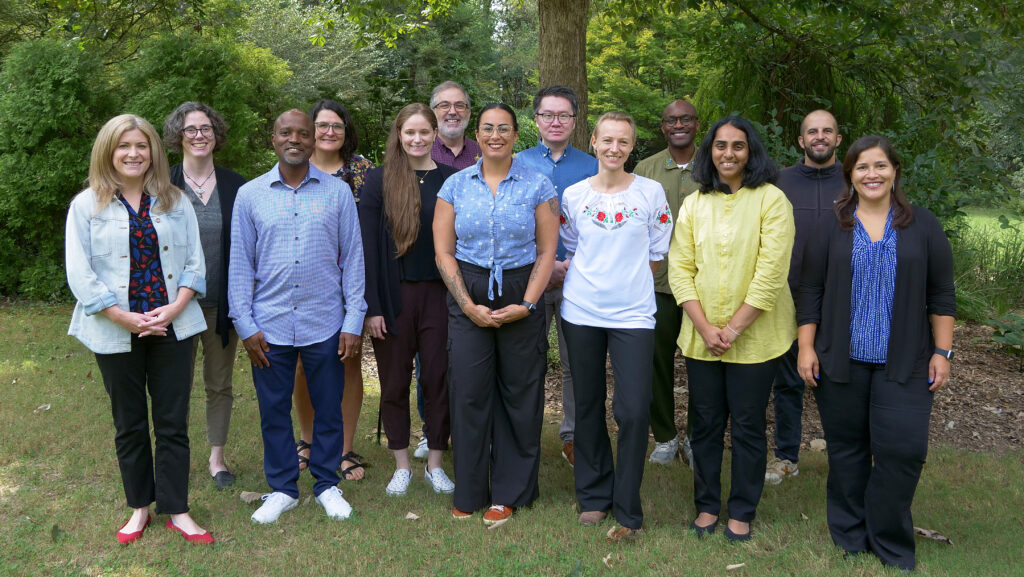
point(553, 311)
point(218, 363)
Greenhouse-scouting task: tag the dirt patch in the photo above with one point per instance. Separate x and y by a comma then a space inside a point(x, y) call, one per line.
point(981, 409)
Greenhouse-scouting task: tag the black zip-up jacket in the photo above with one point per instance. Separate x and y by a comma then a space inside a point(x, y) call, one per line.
point(812, 192)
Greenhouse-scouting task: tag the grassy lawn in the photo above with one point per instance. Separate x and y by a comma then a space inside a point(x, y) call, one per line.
point(61, 501)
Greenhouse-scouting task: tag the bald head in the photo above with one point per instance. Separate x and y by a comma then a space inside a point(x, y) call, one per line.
point(679, 124)
point(293, 137)
point(819, 138)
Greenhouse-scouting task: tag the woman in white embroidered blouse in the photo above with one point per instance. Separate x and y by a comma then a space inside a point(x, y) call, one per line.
point(616, 227)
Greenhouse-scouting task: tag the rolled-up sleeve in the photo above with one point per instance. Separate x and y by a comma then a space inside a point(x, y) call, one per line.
point(660, 225)
point(773, 255)
point(682, 264)
point(94, 295)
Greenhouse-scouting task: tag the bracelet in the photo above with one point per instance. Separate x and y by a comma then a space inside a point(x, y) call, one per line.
point(732, 330)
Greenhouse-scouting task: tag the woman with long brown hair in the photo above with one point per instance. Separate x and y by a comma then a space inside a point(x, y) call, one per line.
point(405, 297)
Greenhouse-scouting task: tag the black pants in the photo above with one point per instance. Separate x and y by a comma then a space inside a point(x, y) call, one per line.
point(162, 366)
point(788, 392)
point(724, 392)
point(877, 434)
point(421, 327)
point(668, 319)
point(496, 387)
point(600, 485)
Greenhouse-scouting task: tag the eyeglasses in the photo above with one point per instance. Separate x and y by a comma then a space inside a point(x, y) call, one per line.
point(192, 131)
point(324, 127)
point(488, 129)
point(672, 120)
point(459, 106)
point(548, 118)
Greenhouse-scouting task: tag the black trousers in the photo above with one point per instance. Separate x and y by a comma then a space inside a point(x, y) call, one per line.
point(877, 434)
point(496, 387)
point(788, 391)
point(161, 366)
point(668, 319)
point(600, 485)
point(736, 393)
point(421, 328)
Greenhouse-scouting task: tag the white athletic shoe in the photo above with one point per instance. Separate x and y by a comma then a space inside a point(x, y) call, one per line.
point(273, 505)
point(399, 483)
point(334, 504)
point(665, 453)
point(439, 480)
point(421, 449)
point(687, 452)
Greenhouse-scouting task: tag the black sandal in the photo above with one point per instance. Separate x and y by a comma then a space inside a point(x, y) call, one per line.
point(351, 457)
point(301, 446)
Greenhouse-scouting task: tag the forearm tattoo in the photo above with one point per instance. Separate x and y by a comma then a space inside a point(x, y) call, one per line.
point(456, 286)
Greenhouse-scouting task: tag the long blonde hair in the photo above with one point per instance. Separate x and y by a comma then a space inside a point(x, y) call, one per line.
point(402, 202)
point(104, 180)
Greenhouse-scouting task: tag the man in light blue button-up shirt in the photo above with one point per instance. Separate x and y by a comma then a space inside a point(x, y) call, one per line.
point(295, 285)
point(555, 109)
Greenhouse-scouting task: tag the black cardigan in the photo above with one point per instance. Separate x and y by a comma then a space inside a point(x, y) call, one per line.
point(228, 183)
point(383, 270)
point(924, 286)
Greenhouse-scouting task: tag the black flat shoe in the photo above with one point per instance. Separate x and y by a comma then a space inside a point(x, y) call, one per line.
point(224, 479)
point(705, 530)
point(736, 537)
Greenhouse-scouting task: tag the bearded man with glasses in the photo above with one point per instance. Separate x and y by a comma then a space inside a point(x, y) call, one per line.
point(451, 105)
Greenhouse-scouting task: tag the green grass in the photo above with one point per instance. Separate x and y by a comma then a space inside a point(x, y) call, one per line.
point(61, 501)
point(988, 264)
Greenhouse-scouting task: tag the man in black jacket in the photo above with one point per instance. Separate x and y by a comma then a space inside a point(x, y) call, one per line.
point(812, 186)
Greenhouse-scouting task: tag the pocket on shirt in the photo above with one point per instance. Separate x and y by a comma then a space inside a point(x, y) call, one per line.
point(176, 223)
point(100, 245)
point(521, 213)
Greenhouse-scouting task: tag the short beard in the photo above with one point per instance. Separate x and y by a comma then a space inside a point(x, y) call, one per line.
point(442, 129)
point(820, 158)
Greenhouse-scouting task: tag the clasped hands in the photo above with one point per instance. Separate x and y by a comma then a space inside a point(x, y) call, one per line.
point(484, 317)
point(717, 340)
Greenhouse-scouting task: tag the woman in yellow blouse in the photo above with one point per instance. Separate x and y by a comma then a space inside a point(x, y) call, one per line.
point(727, 269)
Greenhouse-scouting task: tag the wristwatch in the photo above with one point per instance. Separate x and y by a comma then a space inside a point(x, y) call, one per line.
point(945, 353)
point(530, 307)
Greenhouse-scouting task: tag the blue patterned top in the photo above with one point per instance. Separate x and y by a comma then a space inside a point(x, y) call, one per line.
point(496, 231)
point(146, 290)
point(874, 280)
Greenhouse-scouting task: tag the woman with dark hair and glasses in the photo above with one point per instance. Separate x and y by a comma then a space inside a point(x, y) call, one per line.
point(727, 269)
point(336, 142)
point(876, 313)
point(197, 131)
point(495, 236)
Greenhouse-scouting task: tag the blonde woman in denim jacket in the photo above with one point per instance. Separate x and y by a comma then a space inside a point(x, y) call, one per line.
point(135, 264)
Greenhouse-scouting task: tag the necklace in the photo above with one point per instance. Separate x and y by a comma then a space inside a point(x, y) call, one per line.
point(425, 174)
point(198, 185)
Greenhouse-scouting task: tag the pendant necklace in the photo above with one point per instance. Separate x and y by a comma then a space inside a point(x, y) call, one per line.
point(199, 185)
point(425, 174)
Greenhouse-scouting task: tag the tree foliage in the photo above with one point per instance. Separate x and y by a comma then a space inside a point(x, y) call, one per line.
point(54, 101)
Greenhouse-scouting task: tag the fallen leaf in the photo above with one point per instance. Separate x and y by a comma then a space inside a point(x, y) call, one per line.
point(802, 516)
point(89, 374)
point(250, 496)
point(735, 566)
point(818, 445)
point(309, 498)
point(411, 516)
point(42, 407)
point(607, 560)
point(679, 390)
point(497, 524)
point(14, 382)
point(933, 535)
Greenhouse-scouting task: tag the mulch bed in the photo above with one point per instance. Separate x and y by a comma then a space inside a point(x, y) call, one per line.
point(981, 409)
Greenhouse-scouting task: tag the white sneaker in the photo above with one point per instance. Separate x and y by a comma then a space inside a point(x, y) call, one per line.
point(399, 483)
point(664, 453)
point(778, 469)
point(273, 505)
point(687, 452)
point(334, 504)
point(439, 480)
point(421, 449)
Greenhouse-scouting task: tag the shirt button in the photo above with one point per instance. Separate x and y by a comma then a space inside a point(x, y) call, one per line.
point(295, 308)
point(296, 214)
point(170, 276)
point(296, 262)
point(165, 247)
point(296, 238)
point(157, 219)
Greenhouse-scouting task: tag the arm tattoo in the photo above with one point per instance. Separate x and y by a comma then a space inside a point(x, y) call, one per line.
point(553, 205)
point(455, 285)
point(533, 274)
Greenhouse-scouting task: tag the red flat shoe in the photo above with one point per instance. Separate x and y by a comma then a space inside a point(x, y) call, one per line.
point(126, 538)
point(197, 539)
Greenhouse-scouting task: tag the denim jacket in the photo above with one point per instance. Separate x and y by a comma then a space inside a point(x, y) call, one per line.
point(98, 266)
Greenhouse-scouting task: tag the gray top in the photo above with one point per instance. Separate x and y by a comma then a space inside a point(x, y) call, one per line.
point(210, 224)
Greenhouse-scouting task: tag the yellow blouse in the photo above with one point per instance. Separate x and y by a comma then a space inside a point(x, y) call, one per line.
point(730, 249)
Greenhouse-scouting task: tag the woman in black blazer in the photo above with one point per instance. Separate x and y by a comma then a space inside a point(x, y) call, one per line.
point(197, 131)
point(876, 311)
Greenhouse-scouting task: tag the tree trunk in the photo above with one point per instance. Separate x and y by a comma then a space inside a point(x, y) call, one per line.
point(562, 41)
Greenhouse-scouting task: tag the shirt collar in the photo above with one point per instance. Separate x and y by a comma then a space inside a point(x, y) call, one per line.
point(313, 173)
point(670, 163)
point(515, 172)
point(547, 151)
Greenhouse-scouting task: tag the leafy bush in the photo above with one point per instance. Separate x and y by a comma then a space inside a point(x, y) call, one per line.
point(242, 82)
point(1009, 332)
point(989, 267)
point(53, 103)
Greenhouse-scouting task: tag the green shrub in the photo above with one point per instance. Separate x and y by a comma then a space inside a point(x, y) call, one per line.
point(54, 101)
point(989, 265)
point(240, 81)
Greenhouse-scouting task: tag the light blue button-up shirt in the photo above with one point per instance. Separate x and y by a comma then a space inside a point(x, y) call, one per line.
point(496, 231)
point(573, 166)
point(296, 269)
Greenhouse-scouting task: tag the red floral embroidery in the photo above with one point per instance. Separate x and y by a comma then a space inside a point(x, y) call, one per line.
point(561, 219)
point(618, 217)
point(663, 218)
point(600, 216)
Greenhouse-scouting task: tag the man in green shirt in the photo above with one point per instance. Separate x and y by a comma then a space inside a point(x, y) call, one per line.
point(671, 167)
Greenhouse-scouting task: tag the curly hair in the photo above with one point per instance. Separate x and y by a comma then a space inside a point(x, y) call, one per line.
point(175, 123)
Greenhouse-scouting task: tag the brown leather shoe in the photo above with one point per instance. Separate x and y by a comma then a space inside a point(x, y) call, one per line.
point(497, 514)
point(460, 515)
point(591, 518)
point(567, 453)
